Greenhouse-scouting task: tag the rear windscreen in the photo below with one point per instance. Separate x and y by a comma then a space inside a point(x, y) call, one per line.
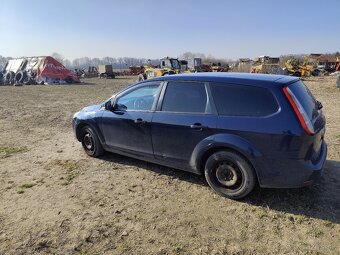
point(305, 98)
point(240, 100)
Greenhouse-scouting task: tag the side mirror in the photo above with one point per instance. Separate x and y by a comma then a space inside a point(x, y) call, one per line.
point(108, 105)
point(112, 106)
point(319, 105)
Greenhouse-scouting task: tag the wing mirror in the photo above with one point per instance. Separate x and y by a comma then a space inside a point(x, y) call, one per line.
point(112, 106)
point(109, 105)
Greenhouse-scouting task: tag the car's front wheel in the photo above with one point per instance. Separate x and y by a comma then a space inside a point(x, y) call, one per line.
point(229, 174)
point(90, 142)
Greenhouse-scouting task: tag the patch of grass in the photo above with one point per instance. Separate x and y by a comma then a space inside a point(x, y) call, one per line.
point(313, 252)
point(69, 165)
point(72, 169)
point(27, 185)
point(83, 252)
point(20, 191)
point(178, 250)
point(315, 233)
point(9, 151)
point(40, 245)
point(69, 177)
point(328, 224)
point(40, 181)
point(299, 219)
point(261, 214)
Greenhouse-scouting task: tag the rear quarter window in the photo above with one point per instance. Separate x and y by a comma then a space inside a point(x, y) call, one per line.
point(305, 98)
point(241, 100)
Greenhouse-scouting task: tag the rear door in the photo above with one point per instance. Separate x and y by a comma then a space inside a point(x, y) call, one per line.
point(184, 118)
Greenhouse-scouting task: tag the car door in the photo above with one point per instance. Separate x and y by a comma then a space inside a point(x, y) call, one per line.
point(127, 128)
point(184, 117)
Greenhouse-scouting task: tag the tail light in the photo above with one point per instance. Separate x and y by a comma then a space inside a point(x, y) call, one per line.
point(299, 111)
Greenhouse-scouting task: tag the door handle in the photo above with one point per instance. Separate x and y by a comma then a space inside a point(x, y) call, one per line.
point(198, 127)
point(139, 121)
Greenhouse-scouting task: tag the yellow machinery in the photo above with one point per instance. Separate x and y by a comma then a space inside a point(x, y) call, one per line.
point(267, 65)
point(307, 68)
point(167, 66)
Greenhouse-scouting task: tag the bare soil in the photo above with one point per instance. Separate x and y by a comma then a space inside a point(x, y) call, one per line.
point(55, 199)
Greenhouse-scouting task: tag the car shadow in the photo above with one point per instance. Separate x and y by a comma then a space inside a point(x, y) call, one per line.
point(158, 169)
point(320, 200)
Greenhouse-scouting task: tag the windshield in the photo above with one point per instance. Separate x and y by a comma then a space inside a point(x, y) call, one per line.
point(174, 63)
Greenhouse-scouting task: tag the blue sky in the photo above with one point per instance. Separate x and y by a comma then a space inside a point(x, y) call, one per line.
point(154, 29)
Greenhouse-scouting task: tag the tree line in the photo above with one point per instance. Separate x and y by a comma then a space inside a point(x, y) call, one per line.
point(120, 63)
point(125, 62)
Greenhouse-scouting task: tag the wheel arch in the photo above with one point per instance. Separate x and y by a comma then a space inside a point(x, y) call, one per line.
point(83, 124)
point(224, 142)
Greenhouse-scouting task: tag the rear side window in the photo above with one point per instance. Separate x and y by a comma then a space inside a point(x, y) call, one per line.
point(240, 100)
point(189, 97)
point(305, 97)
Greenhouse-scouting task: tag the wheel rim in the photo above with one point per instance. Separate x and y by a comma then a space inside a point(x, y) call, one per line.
point(88, 142)
point(228, 175)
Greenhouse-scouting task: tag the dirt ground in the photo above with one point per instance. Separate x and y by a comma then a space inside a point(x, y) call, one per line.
point(55, 199)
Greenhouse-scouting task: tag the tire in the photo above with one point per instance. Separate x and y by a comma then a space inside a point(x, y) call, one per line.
point(9, 77)
point(27, 80)
point(90, 142)
point(20, 77)
point(229, 174)
point(69, 80)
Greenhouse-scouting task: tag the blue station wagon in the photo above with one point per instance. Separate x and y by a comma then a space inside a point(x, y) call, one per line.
point(239, 130)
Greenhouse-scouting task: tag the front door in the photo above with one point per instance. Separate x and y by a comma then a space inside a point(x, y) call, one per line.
point(128, 127)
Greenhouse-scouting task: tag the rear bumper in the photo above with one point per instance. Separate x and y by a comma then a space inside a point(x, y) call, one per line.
point(294, 173)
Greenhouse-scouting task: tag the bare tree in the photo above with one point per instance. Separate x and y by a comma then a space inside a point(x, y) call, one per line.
point(58, 56)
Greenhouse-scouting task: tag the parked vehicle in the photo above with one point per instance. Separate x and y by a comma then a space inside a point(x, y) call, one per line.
point(266, 64)
point(167, 66)
point(238, 130)
point(307, 68)
point(106, 71)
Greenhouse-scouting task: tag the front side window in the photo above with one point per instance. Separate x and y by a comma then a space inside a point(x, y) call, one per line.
point(240, 100)
point(140, 99)
point(186, 97)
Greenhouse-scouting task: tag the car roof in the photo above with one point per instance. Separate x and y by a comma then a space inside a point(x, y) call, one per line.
point(237, 78)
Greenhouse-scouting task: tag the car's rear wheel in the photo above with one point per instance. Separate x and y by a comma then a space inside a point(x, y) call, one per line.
point(90, 142)
point(229, 174)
